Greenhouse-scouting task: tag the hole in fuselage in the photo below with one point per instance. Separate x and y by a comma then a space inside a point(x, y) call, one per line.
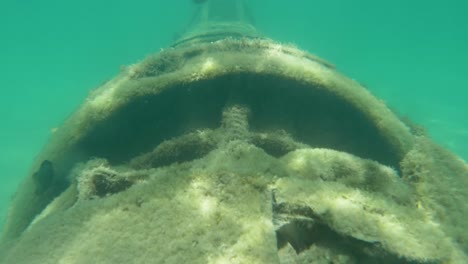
point(311, 115)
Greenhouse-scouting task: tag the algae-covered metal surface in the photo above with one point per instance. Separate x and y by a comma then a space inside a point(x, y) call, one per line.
point(238, 149)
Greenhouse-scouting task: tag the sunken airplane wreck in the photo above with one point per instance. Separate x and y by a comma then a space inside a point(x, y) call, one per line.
point(229, 147)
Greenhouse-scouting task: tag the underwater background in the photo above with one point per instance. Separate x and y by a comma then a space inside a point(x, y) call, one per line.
point(410, 54)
